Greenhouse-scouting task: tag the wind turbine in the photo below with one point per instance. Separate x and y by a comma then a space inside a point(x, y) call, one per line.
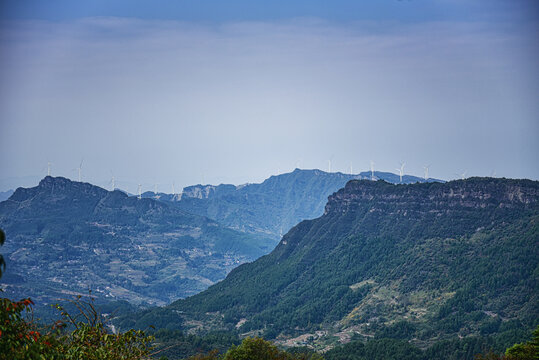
point(49, 168)
point(401, 171)
point(139, 191)
point(426, 167)
point(113, 184)
point(155, 192)
point(462, 176)
point(372, 170)
point(173, 191)
point(351, 170)
point(80, 169)
point(329, 162)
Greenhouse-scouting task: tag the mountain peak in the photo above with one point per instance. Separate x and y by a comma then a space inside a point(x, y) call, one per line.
point(58, 188)
point(48, 181)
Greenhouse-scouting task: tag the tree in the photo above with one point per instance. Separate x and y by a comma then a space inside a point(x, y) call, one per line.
point(22, 339)
point(525, 351)
point(259, 349)
point(255, 348)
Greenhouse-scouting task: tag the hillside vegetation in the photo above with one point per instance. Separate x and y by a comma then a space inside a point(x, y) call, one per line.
point(65, 237)
point(420, 262)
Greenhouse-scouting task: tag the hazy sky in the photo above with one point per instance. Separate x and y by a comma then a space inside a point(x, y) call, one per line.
point(235, 91)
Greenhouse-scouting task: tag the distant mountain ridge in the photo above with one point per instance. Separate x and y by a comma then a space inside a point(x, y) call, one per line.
point(4, 195)
point(272, 207)
point(64, 236)
point(420, 262)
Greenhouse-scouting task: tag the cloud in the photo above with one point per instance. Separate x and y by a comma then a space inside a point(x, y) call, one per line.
point(161, 100)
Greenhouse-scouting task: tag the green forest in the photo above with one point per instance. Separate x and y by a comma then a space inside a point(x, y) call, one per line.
point(439, 271)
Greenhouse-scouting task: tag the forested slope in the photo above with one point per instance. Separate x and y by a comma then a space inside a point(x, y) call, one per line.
point(421, 261)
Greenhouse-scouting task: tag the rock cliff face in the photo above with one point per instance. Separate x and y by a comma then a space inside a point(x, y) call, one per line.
point(207, 191)
point(424, 261)
point(435, 197)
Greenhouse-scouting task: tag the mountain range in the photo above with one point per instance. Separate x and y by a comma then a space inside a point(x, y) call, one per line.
point(274, 206)
point(64, 237)
point(420, 262)
point(4, 195)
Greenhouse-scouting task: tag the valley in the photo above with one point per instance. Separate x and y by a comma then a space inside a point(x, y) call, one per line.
point(66, 238)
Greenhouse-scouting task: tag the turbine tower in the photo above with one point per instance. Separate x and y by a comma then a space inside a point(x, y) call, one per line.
point(329, 165)
point(173, 191)
point(49, 168)
point(156, 196)
point(372, 170)
point(426, 167)
point(80, 169)
point(401, 171)
point(113, 184)
point(139, 191)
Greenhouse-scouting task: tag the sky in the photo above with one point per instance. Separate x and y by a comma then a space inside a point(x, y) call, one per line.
point(156, 92)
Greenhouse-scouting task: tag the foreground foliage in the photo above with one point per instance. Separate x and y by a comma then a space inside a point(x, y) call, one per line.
point(83, 336)
point(21, 339)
